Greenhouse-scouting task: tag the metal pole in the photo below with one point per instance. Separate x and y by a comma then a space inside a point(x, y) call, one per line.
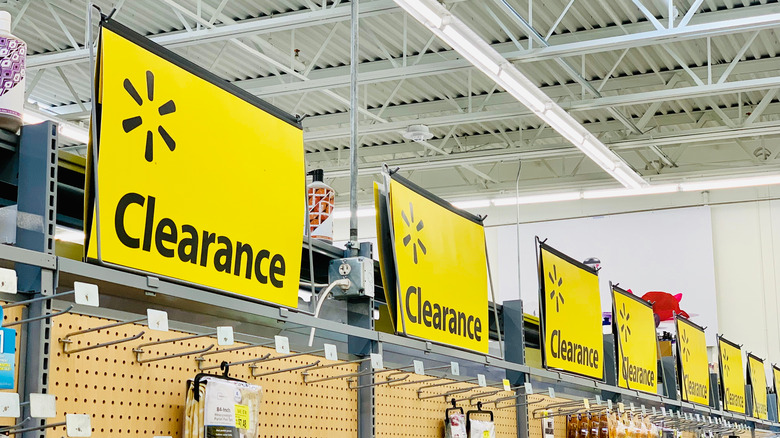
point(353, 126)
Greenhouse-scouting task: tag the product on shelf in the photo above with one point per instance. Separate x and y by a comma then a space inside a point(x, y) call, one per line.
point(221, 407)
point(13, 55)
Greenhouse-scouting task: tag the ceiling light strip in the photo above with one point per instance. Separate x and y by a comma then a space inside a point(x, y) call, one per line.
point(469, 45)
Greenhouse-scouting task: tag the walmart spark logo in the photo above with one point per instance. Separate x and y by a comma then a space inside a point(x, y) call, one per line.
point(134, 122)
point(413, 233)
point(686, 352)
point(625, 316)
point(555, 293)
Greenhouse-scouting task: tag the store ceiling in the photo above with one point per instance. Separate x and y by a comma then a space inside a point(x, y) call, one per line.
point(699, 99)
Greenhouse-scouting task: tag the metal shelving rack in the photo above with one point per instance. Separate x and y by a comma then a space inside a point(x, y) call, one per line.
point(192, 309)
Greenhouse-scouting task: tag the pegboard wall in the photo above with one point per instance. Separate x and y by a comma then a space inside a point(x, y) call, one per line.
point(126, 398)
point(401, 413)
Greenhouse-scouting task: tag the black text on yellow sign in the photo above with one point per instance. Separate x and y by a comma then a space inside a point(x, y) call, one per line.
point(442, 268)
point(758, 383)
point(692, 357)
point(636, 341)
point(731, 377)
point(776, 376)
point(571, 315)
point(194, 182)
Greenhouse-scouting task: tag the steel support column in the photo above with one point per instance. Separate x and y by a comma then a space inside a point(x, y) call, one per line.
point(35, 225)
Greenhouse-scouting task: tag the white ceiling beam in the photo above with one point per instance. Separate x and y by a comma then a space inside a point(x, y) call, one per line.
point(278, 23)
point(486, 141)
point(492, 156)
point(588, 104)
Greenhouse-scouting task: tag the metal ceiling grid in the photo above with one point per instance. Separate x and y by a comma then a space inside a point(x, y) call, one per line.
point(699, 98)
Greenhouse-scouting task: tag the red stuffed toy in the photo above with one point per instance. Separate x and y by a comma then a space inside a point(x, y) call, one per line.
point(665, 305)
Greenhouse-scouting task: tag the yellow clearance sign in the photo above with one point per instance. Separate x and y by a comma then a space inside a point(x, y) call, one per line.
point(442, 268)
point(194, 182)
point(694, 366)
point(731, 377)
point(571, 315)
point(636, 341)
point(758, 383)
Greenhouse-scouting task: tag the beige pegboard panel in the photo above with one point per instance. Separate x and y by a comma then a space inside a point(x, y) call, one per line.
point(126, 398)
point(535, 425)
point(401, 413)
point(11, 315)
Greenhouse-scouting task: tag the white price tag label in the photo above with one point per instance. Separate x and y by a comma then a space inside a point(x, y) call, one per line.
point(642, 409)
point(282, 344)
point(631, 405)
point(481, 380)
point(78, 425)
point(609, 404)
point(598, 400)
point(455, 368)
point(586, 403)
point(376, 362)
point(529, 389)
point(86, 294)
point(663, 411)
point(9, 405)
point(43, 405)
point(419, 368)
point(8, 281)
point(551, 392)
point(507, 386)
point(331, 353)
point(157, 320)
point(621, 407)
point(225, 335)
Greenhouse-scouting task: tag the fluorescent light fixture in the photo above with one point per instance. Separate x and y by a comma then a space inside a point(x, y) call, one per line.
point(595, 152)
point(471, 46)
point(477, 203)
point(730, 183)
point(422, 12)
point(564, 127)
point(78, 134)
point(625, 177)
point(362, 212)
point(538, 199)
point(623, 192)
point(522, 92)
point(471, 50)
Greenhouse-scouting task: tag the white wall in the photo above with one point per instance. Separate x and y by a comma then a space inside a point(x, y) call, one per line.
point(746, 241)
point(745, 246)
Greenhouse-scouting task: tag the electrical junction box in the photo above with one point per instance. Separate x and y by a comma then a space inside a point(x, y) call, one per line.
point(360, 273)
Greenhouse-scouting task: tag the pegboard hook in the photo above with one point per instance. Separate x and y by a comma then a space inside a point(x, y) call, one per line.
point(35, 300)
point(38, 318)
point(386, 382)
point(202, 368)
point(139, 351)
point(66, 340)
point(225, 367)
point(285, 370)
point(17, 431)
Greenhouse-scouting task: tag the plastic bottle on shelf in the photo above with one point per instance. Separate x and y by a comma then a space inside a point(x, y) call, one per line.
point(13, 54)
point(320, 203)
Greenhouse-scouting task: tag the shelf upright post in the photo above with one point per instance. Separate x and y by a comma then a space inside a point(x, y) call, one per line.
point(514, 350)
point(35, 225)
